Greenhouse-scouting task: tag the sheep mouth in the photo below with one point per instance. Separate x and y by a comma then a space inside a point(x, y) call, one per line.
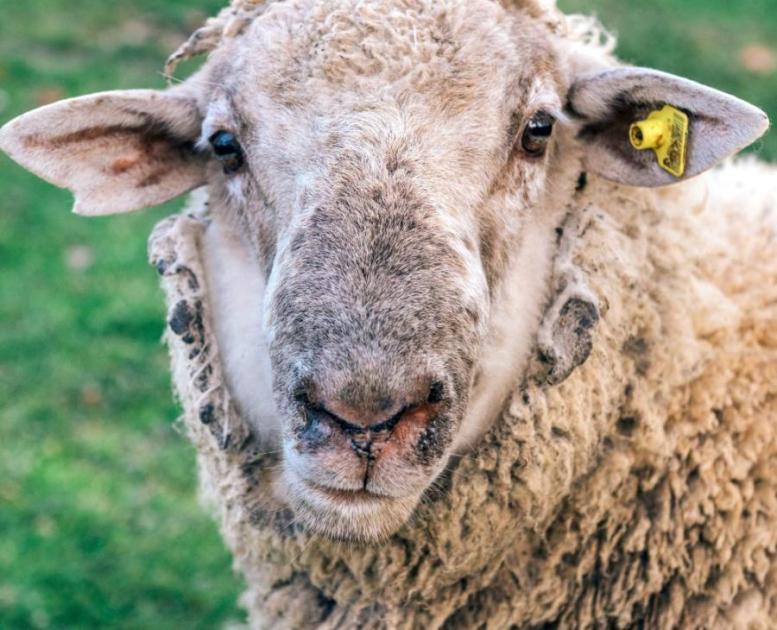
point(356, 516)
point(345, 495)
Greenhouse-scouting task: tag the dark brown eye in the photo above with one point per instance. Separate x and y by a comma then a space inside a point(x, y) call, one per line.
point(227, 150)
point(537, 133)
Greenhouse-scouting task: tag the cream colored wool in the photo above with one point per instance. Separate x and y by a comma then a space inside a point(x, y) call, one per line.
point(641, 490)
point(238, 14)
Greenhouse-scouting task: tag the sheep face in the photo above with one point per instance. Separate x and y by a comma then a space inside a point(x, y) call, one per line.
point(382, 185)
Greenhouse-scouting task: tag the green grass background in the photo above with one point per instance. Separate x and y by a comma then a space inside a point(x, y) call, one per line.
point(99, 525)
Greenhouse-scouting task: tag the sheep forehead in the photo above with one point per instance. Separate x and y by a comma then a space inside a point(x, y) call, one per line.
point(458, 53)
point(300, 85)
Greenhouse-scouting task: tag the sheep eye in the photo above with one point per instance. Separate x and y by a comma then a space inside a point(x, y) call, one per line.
point(227, 150)
point(536, 134)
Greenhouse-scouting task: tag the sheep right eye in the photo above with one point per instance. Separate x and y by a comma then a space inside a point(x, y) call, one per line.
point(227, 150)
point(536, 135)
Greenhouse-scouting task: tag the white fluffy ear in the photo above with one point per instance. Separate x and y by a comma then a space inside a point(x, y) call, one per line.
point(609, 105)
point(116, 151)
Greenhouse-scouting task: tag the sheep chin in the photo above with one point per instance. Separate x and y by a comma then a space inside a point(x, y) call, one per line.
point(358, 518)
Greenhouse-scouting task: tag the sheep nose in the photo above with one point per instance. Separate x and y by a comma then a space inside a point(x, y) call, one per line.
point(370, 420)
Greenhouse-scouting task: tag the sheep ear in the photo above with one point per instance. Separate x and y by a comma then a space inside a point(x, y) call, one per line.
point(116, 151)
point(642, 127)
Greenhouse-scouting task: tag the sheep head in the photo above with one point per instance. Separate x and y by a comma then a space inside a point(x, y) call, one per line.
point(396, 171)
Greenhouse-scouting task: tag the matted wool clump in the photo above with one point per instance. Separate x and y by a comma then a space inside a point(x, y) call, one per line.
point(672, 524)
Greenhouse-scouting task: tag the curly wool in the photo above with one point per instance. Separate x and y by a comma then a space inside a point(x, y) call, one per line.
point(230, 22)
point(239, 14)
point(640, 490)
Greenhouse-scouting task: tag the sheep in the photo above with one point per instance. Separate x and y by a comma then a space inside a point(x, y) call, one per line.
point(449, 355)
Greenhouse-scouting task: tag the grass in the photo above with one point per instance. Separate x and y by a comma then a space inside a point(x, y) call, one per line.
point(99, 527)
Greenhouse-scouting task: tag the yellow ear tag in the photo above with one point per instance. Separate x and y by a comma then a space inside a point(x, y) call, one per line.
point(666, 132)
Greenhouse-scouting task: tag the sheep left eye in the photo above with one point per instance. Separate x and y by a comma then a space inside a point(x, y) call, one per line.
point(227, 150)
point(536, 135)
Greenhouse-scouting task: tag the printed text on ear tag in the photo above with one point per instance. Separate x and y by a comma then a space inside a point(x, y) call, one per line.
point(666, 132)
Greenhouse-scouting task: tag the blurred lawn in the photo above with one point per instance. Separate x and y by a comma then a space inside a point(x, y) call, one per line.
point(99, 526)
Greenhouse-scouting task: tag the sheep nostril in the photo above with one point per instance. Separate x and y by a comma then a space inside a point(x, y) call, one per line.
point(361, 421)
point(436, 393)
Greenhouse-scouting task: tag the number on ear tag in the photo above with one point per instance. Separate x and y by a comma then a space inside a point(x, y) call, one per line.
point(666, 132)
